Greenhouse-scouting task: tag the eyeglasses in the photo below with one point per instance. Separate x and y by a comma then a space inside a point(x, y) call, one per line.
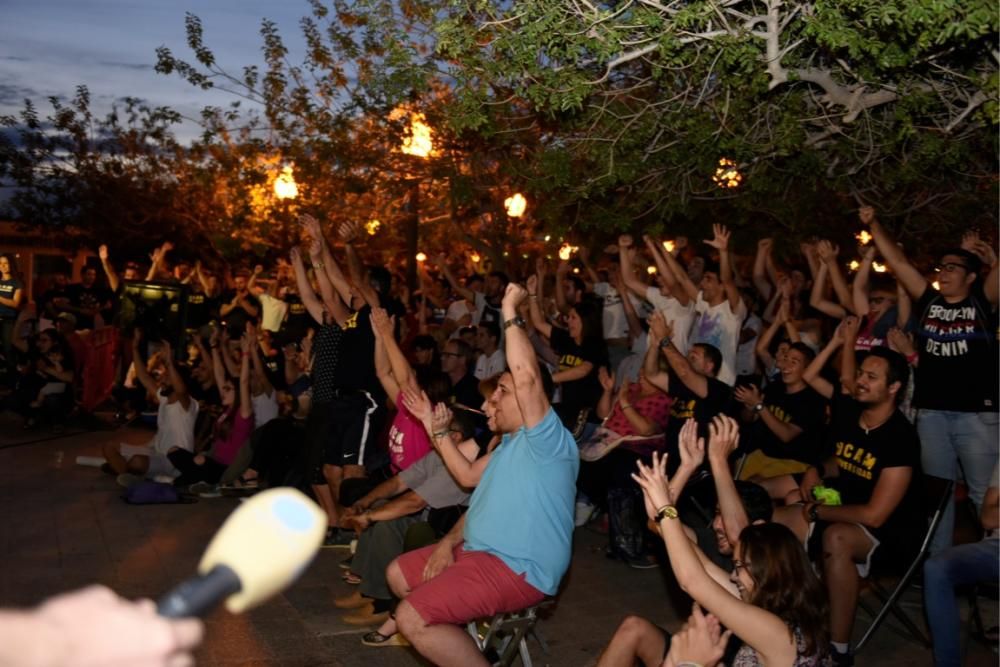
point(876, 300)
point(950, 267)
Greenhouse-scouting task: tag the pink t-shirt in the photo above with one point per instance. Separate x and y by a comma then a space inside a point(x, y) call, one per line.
point(408, 441)
point(655, 407)
point(225, 450)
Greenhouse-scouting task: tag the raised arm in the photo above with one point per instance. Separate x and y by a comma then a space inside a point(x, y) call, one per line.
point(763, 346)
point(663, 332)
point(218, 368)
point(848, 360)
point(246, 398)
point(723, 439)
point(523, 363)
point(817, 297)
point(813, 372)
point(664, 271)
point(157, 258)
point(984, 251)
point(720, 242)
point(763, 631)
point(109, 271)
point(141, 373)
point(538, 320)
point(861, 280)
point(651, 365)
point(631, 317)
point(435, 419)
point(309, 300)
point(626, 254)
point(335, 305)
point(460, 289)
point(905, 272)
point(681, 276)
point(401, 369)
point(760, 280)
point(256, 363)
point(584, 255)
point(180, 390)
point(562, 305)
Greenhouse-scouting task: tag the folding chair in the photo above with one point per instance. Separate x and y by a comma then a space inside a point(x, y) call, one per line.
point(938, 491)
point(505, 636)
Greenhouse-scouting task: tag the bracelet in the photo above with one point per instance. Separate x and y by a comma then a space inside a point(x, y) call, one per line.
point(689, 664)
point(318, 265)
point(626, 407)
point(439, 434)
point(666, 512)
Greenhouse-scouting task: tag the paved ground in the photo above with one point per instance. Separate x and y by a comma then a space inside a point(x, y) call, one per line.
point(64, 527)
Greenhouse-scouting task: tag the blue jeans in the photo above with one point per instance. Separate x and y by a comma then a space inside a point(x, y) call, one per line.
point(947, 438)
point(961, 565)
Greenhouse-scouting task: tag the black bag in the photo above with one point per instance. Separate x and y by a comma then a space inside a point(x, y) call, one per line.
point(626, 521)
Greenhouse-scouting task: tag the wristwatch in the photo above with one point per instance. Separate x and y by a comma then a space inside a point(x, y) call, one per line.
point(814, 513)
point(517, 321)
point(759, 407)
point(665, 342)
point(666, 512)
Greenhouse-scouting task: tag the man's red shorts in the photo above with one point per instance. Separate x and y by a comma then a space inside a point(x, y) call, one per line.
point(476, 585)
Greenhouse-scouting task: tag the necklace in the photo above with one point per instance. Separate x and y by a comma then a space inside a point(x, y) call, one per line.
point(868, 429)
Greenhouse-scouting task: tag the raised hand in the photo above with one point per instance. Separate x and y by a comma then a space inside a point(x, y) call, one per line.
point(901, 342)
point(606, 379)
point(625, 241)
point(827, 251)
point(102, 252)
point(440, 417)
point(700, 642)
point(869, 255)
point(514, 295)
point(866, 214)
point(541, 267)
point(246, 344)
point(310, 225)
point(720, 241)
point(417, 403)
point(382, 324)
point(765, 245)
point(784, 313)
point(692, 448)
point(748, 395)
point(532, 285)
point(851, 325)
point(723, 436)
point(295, 255)
point(659, 326)
point(348, 231)
point(654, 481)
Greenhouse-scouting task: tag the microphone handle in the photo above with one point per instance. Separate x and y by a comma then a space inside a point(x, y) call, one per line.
point(200, 594)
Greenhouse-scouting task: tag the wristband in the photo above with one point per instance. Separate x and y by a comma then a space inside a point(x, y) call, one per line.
point(513, 322)
point(689, 664)
point(626, 407)
point(439, 434)
point(912, 358)
point(665, 342)
point(666, 512)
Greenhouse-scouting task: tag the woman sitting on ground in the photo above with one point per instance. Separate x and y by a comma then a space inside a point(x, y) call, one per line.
point(773, 601)
point(232, 428)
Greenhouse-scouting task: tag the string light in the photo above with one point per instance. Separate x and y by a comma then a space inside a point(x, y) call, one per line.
point(854, 265)
point(284, 185)
point(727, 176)
point(669, 246)
point(515, 205)
point(566, 251)
point(421, 257)
point(372, 227)
point(650, 270)
point(475, 257)
point(864, 237)
point(879, 268)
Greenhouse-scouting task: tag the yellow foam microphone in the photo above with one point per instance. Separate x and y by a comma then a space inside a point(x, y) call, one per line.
point(261, 549)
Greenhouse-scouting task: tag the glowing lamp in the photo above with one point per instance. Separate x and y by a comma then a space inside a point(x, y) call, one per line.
point(651, 270)
point(566, 251)
point(515, 205)
point(576, 269)
point(421, 257)
point(475, 257)
point(727, 176)
point(372, 227)
point(936, 285)
point(854, 265)
point(864, 237)
point(669, 246)
point(879, 268)
point(548, 238)
point(284, 184)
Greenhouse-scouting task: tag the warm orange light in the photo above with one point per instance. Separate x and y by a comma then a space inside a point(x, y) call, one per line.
point(515, 205)
point(864, 237)
point(576, 269)
point(421, 257)
point(854, 265)
point(936, 285)
point(475, 258)
point(419, 139)
point(650, 270)
point(372, 227)
point(284, 185)
point(566, 251)
point(879, 268)
point(727, 176)
point(669, 246)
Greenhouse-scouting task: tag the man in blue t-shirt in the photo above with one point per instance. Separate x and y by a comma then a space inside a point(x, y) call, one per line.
point(513, 546)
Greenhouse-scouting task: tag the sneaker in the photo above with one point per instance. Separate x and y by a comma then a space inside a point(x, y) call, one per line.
point(583, 513)
point(835, 659)
point(643, 562)
point(209, 491)
point(127, 480)
point(201, 487)
point(346, 563)
point(338, 539)
point(376, 638)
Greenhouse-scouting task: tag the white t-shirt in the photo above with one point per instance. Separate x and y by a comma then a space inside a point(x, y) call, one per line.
point(487, 367)
point(459, 309)
point(265, 408)
point(720, 326)
point(674, 311)
point(174, 425)
point(614, 320)
point(273, 312)
point(746, 356)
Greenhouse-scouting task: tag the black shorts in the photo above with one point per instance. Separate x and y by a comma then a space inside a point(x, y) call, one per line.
point(339, 432)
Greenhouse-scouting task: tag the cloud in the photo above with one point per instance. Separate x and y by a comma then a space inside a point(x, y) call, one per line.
point(132, 66)
point(13, 95)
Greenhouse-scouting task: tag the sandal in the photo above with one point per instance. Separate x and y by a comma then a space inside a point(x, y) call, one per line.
point(351, 578)
point(376, 638)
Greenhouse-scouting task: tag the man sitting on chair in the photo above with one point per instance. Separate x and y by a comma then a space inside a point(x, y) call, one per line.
point(513, 546)
point(875, 453)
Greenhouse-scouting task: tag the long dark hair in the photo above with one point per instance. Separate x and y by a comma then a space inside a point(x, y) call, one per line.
point(224, 427)
point(590, 313)
point(785, 583)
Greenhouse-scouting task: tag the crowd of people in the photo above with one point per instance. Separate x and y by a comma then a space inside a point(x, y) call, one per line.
point(431, 424)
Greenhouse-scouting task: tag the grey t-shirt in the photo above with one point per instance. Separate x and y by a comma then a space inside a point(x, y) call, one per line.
point(429, 478)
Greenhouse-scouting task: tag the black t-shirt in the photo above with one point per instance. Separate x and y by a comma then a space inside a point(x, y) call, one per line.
point(199, 310)
point(805, 409)
point(237, 318)
point(957, 343)
point(297, 320)
point(356, 369)
point(585, 392)
point(48, 297)
point(688, 404)
point(466, 392)
point(861, 458)
point(89, 297)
